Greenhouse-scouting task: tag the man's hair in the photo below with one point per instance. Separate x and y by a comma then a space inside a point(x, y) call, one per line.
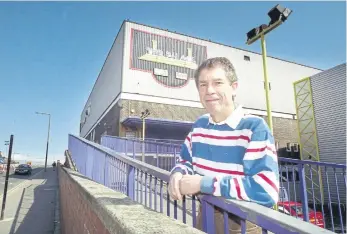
point(220, 62)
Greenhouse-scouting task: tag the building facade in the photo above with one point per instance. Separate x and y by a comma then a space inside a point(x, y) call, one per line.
point(321, 105)
point(151, 68)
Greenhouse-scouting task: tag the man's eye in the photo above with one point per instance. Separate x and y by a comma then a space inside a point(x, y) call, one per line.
point(202, 85)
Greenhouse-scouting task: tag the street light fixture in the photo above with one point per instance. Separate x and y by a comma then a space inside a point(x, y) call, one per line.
point(278, 15)
point(7, 143)
point(144, 115)
point(49, 126)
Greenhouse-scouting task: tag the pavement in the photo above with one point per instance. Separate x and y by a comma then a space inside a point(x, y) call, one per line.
point(31, 208)
point(15, 180)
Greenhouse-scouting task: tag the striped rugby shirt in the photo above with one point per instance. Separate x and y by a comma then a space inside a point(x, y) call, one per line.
point(237, 158)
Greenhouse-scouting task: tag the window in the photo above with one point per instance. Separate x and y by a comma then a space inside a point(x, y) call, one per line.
point(277, 145)
point(296, 147)
point(289, 147)
point(246, 58)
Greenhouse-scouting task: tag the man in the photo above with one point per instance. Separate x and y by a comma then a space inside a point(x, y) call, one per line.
point(227, 153)
point(54, 165)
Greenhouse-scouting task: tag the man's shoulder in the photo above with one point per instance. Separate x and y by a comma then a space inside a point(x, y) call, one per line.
point(202, 121)
point(253, 123)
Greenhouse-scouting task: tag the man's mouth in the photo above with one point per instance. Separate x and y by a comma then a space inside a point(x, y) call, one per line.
point(212, 100)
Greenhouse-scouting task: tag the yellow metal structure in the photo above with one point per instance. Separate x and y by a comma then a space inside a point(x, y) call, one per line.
point(307, 136)
point(267, 91)
point(266, 82)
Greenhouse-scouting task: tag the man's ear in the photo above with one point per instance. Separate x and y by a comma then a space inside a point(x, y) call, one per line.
point(235, 85)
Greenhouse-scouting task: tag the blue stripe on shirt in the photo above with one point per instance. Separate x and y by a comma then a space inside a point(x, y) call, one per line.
point(259, 132)
point(224, 154)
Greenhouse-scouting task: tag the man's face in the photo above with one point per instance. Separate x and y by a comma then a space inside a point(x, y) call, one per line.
point(216, 92)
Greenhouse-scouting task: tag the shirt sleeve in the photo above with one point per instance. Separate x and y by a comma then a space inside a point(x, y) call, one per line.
point(260, 182)
point(184, 162)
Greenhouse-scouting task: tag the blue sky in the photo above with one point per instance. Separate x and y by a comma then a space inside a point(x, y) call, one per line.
point(51, 52)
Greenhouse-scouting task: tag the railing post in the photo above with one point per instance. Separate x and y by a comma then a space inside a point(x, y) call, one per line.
point(126, 147)
point(105, 172)
point(174, 158)
point(143, 151)
point(208, 217)
point(303, 193)
point(157, 150)
point(131, 182)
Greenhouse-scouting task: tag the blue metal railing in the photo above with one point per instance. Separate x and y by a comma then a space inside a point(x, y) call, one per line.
point(162, 155)
point(328, 201)
point(302, 202)
point(147, 185)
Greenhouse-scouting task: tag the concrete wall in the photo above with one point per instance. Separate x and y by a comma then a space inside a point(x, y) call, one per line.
point(127, 75)
point(88, 207)
point(107, 86)
point(329, 103)
point(77, 213)
point(139, 79)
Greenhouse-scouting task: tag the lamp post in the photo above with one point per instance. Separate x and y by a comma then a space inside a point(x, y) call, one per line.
point(278, 15)
point(144, 115)
point(49, 126)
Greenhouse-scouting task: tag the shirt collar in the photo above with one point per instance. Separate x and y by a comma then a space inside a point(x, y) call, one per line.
point(233, 119)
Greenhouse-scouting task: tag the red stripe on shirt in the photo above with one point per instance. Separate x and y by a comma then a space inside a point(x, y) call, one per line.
point(222, 137)
point(188, 139)
point(267, 180)
point(218, 170)
point(238, 190)
point(260, 150)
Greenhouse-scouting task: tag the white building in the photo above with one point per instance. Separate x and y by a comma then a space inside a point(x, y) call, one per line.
point(150, 68)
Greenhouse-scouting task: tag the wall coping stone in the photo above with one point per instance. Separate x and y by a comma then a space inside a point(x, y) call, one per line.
point(120, 214)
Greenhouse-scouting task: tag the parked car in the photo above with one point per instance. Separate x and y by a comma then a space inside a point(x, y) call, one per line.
point(23, 169)
point(295, 209)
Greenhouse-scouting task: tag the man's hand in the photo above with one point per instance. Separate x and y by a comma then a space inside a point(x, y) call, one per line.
point(190, 184)
point(174, 186)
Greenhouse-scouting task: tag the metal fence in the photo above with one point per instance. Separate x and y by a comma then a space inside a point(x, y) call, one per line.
point(159, 154)
point(324, 208)
point(147, 185)
point(320, 204)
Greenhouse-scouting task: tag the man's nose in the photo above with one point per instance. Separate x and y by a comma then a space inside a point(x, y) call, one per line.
point(210, 89)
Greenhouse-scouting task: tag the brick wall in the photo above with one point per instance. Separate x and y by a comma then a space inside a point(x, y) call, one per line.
point(87, 207)
point(77, 216)
point(284, 129)
point(158, 110)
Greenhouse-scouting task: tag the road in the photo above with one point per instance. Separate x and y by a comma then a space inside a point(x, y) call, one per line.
point(15, 179)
